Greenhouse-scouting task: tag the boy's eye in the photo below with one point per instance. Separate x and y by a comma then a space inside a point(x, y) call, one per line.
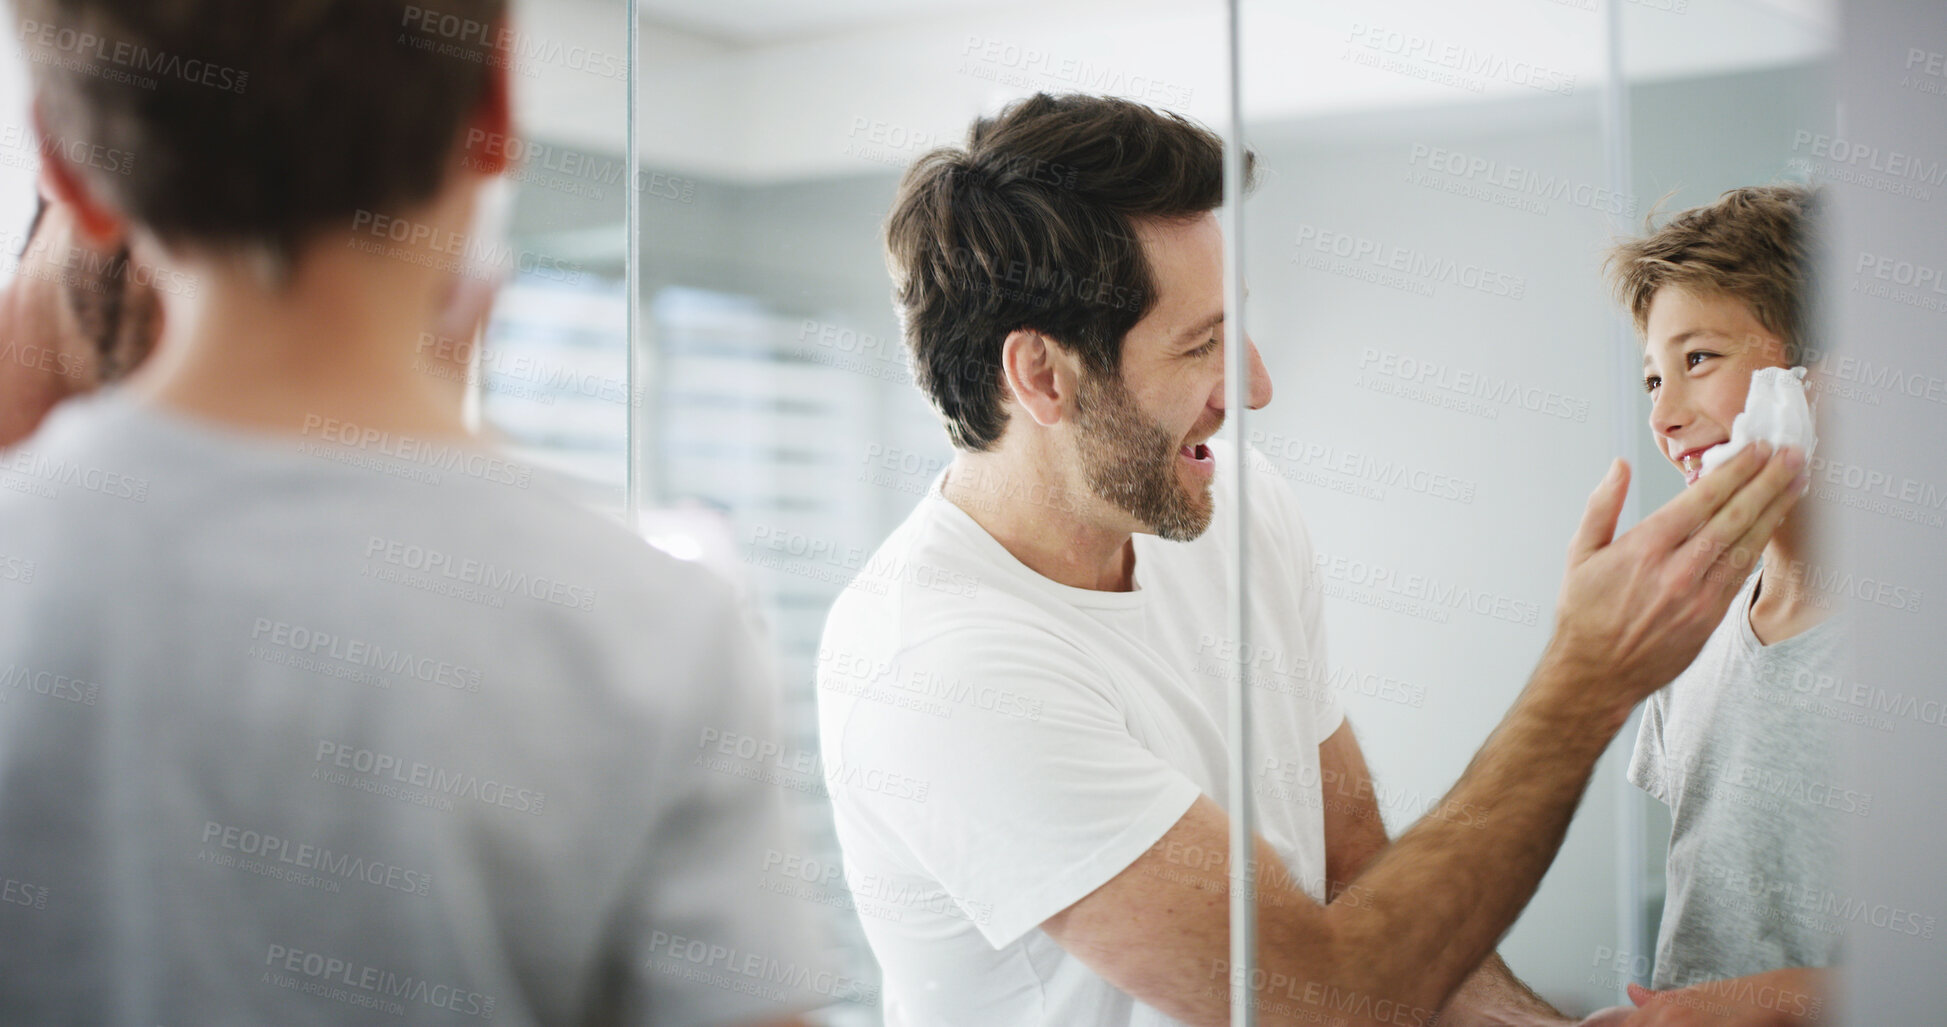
point(1690, 360)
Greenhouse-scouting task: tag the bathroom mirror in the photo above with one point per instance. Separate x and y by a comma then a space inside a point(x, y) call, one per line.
point(1437, 188)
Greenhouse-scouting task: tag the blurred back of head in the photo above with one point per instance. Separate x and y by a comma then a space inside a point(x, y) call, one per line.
point(259, 125)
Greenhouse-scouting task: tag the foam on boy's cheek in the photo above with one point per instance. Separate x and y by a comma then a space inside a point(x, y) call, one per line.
point(1775, 411)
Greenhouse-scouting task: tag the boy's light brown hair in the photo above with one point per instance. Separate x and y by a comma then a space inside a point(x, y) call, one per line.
point(1754, 245)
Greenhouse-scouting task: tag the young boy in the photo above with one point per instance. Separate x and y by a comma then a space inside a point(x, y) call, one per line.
point(1718, 293)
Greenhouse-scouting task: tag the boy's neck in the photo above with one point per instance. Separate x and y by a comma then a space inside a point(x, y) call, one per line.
point(1787, 598)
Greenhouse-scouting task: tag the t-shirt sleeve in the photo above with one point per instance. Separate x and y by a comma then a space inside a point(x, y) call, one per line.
point(1646, 764)
point(1329, 711)
point(698, 940)
point(1270, 489)
point(1020, 792)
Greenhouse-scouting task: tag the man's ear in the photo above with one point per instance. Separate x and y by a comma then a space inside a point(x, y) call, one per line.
point(97, 224)
point(490, 132)
point(1039, 374)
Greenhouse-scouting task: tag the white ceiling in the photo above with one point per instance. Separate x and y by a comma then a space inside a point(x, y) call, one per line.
point(757, 22)
point(768, 90)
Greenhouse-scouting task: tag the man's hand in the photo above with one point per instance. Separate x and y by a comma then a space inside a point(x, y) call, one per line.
point(1635, 610)
point(1779, 998)
point(1431, 906)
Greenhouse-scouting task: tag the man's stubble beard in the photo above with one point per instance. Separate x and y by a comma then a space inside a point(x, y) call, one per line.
point(1129, 461)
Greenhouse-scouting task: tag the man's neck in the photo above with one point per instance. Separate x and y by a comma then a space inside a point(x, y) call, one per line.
point(338, 343)
point(1043, 519)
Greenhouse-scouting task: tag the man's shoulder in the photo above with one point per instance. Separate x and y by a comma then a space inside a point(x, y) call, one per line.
point(938, 593)
point(935, 562)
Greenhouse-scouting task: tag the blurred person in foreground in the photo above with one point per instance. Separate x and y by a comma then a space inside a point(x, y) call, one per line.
point(312, 709)
point(1060, 282)
point(1743, 745)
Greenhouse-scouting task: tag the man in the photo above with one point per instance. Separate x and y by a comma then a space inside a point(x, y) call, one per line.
point(1720, 292)
point(75, 317)
point(1041, 826)
point(314, 710)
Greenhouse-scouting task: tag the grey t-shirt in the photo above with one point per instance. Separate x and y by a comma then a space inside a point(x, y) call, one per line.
point(1747, 767)
point(357, 728)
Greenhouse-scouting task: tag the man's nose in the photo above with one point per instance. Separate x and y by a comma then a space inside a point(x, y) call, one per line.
point(1260, 393)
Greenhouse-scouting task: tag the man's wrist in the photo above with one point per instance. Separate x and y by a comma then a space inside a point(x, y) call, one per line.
point(1576, 698)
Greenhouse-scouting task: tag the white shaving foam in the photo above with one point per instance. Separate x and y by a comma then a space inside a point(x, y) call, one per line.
point(1775, 411)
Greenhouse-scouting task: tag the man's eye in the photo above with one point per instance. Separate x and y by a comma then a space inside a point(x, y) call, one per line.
point(1206, 347)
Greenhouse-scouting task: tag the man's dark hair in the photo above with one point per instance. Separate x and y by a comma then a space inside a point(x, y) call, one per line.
point(1033, 226)
point(258, 124)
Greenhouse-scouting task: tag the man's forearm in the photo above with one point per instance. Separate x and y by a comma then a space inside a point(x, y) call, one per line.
point(1432, 906)
point(1355, 835)
point(1495, 996)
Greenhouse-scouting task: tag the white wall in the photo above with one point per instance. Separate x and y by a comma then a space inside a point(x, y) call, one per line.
point(1526, 472)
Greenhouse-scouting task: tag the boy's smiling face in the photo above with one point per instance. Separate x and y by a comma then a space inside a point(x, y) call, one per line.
point(1699, 352)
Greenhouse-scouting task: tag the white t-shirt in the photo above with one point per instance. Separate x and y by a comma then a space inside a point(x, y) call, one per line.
point(999, 745)
point(346, 729)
